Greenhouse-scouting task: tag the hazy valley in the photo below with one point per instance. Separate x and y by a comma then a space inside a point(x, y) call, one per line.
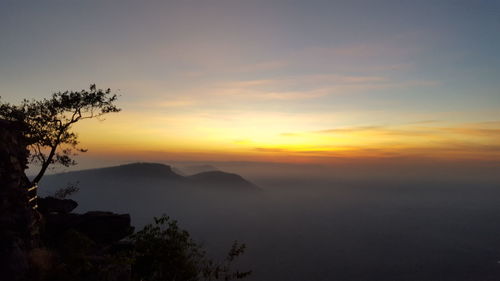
point(317, 229)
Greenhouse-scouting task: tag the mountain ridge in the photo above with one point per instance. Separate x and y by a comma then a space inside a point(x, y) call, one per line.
point(156, 171)
point(211, 178)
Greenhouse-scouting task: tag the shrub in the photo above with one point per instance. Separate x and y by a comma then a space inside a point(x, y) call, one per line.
point(163, 252)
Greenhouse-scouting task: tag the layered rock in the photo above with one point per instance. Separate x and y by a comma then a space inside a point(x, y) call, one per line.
point(17, 219)
point(49, 205)
point(26, 252)
point(101, 227)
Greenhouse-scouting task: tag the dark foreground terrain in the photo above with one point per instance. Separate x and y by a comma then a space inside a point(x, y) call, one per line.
point(316, 229)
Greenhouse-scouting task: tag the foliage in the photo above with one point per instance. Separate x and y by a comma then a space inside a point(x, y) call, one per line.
point(48, 123)
point(76, 257)
point(71, 262)
point(165, 252)
point(159, 252)
point(64, 192)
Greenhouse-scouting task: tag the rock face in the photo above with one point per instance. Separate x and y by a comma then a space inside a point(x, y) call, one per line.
point(101, 227)
point(16, 217)
point(49, 205)
point(21, 240)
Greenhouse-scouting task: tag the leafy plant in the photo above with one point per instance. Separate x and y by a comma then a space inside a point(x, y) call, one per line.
point(70, 189)
point(163, 251)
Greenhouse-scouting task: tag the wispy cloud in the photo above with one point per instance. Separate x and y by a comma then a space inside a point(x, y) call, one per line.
point(166, 103)
point(350, 129)
point(429, 121)
point(176, 103)
point(474, 131)
point(446, 150)
point(470, 130)
point(372, 130)
point(463, 140)
point(308, 86)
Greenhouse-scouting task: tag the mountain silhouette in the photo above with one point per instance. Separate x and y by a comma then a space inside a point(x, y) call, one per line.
point(221, 180)
point(143, 175)
point(134, 170)
point(189, 170)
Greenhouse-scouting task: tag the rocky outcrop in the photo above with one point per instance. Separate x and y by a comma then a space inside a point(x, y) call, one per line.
point(49, 205)
point(17, 219)
point(101, 227)
point(33, 244)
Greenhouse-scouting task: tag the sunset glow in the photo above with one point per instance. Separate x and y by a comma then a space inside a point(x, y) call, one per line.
point(320, 140)
point(244, 81)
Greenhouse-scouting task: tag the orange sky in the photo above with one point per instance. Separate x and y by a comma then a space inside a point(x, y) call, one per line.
point(284, 138)
point(267, 80)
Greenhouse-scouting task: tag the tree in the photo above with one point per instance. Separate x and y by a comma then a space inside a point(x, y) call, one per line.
point(163, 252)
point(47, 124)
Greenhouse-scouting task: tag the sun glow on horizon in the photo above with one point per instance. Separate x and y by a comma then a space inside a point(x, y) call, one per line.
point(242, 80)
point(286, 137)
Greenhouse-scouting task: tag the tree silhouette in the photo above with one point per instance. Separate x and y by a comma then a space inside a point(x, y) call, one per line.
point(164, 252)
point(47, 124)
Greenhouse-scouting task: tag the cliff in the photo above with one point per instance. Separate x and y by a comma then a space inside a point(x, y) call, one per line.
point(18, 229)
point(50, 243)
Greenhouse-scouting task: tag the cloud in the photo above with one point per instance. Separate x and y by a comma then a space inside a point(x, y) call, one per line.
point(474, 131)
point(429, 126)
point(289, 134)
point(265, 149)
point(430, 121)
point(372, 130)
point(262, 66)
point(350, 129)
point(272, 95)
point(176, 103)
point(444, 149)
point(159, 104)
point(362, 50)
point(331, 151)
point(465, 130)
point(307, 86)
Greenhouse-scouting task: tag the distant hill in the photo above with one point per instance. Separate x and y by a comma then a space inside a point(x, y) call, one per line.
point(194, 169)
point(143, 175)
point(134, 170)
point(221, 180)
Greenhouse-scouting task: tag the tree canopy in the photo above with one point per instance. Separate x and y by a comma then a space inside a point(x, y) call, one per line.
point(163, 251)
point(47, 123)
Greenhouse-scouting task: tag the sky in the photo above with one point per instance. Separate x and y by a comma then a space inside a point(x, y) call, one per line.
point(282, 81)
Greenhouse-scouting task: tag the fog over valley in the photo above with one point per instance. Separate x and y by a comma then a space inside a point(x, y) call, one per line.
point(329, 227)
point(259, 140)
